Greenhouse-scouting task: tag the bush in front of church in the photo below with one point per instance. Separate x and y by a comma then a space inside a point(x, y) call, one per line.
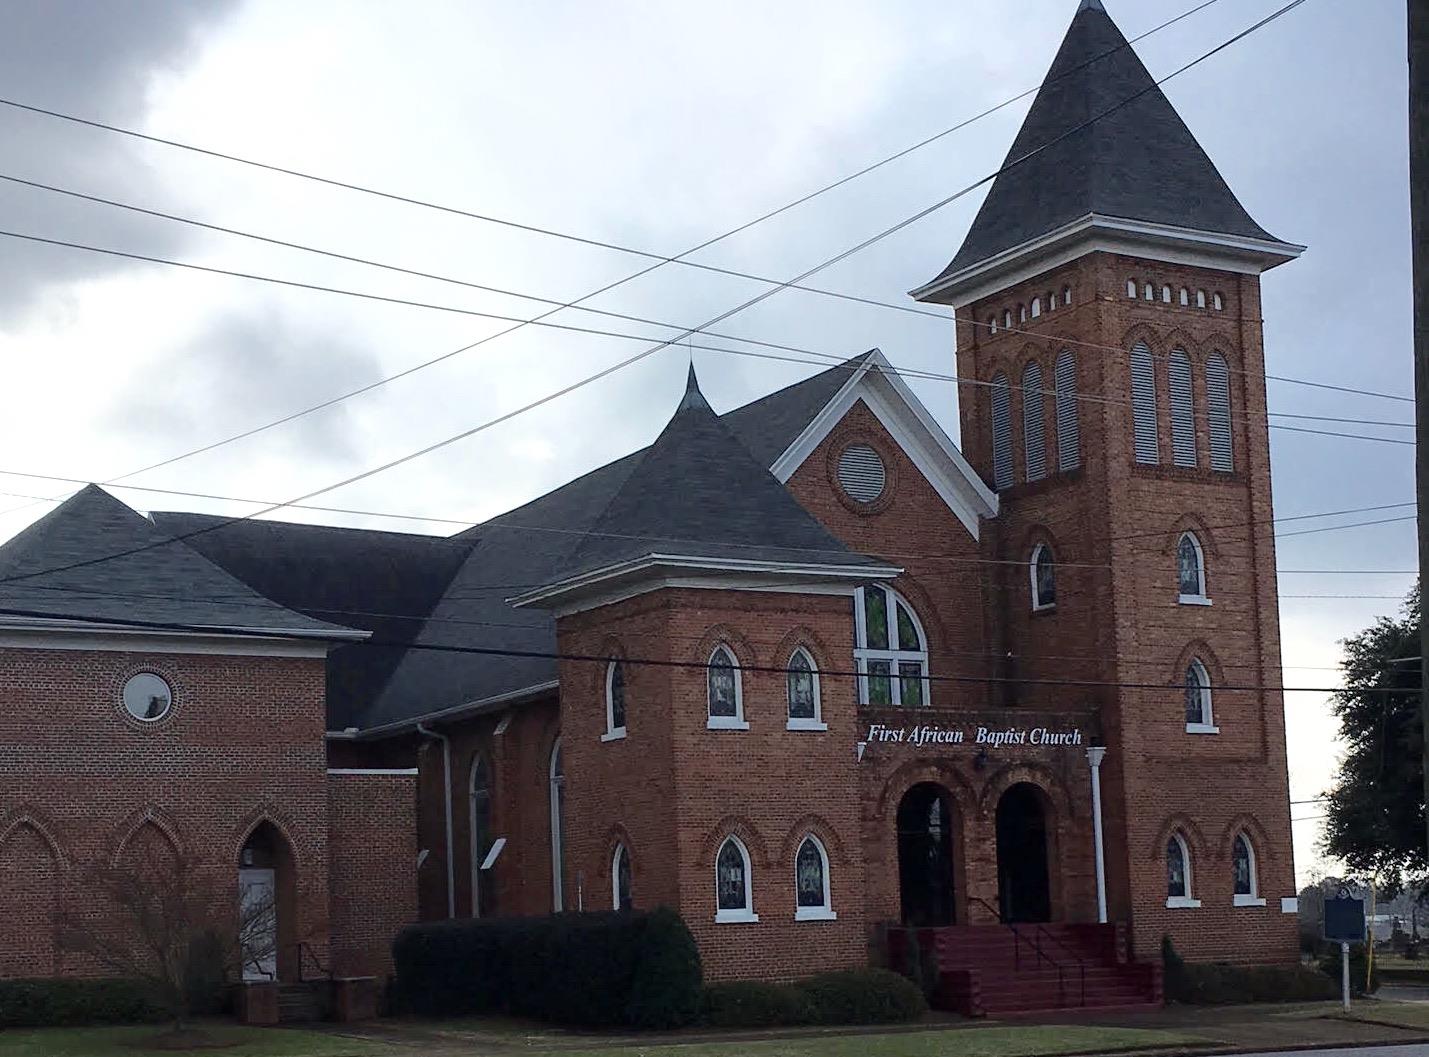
point(66, 1002)
point(1218, 983)
point(633, 969)
point(853, 996)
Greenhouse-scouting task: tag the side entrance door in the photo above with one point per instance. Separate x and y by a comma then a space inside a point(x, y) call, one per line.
point(258, 923)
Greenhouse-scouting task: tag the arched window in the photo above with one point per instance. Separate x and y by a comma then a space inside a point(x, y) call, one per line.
point(1191, 571)
point(1131, 289)
point(1043, 572)
point(1052, 301)
point(1185, 298)
point(1007, 319)
point(1022, 313)
point(1066, 295)
point(1143, 405)
point(811, 882)
point(483, 892)
point(1218, 301)
point(1036, 307)
point(620, 879)
point(1218, 412)
point(1149, 292)
point(1183, 410)
point(557, 776)
point(726, 691)
point(734, 883)
point(992, 325)
point(891, 652)
point(1166, 295)
point(1200, 299)
point(1034, 430)
point(614, 701)
point(1069, 433)
point(1243, 873)
point(1198, 700)
point(805, 709)
point(1178, 873)
point(1001, 432)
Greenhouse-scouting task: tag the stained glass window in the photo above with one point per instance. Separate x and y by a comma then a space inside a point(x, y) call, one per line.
point(809, 874)
point(615, 696)
point(1198, 695)
point(1189, 570)
point(1044, 577)
point(1177, 886)
point(907, 630)
point(891, 652)
point(875, 618)
point(723, 700)
point(803, 703)
point(732, 877)
point(620, 879)
point(880, 688)
point(910, 679)
point(1241, 866)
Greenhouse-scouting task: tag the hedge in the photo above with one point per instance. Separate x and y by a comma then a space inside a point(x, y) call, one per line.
point(1219, 983)
point(75, 1003)
point(597, 970)
point(856, 996)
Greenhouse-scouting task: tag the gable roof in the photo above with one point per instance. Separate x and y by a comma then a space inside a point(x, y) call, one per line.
point(115, 565)
point(1135, 161)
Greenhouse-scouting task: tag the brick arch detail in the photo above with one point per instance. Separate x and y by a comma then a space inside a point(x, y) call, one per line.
point(1178, 339)
point(611, 648)
point(819, 827)
point(734, 826)
point(618, 834)
point(1180, 822)
point(1059, 798)
point(739, 644)
point(150, 815)
point(809, 639)
point(924, 609)
point(1192, 522)
point(1038, 533)
point(279, 821)
point(1250, 825)
point(1201, 650)
point(31, 818)
point(1146, 334)
point(938, 772)
point(877, 439)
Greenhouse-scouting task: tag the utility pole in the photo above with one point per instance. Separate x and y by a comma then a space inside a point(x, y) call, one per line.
point(1419, 233)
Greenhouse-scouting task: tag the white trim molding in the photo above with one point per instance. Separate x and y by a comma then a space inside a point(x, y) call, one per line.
point(109, 639)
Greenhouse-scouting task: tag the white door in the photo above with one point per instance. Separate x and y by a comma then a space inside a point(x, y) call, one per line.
point(258, 923)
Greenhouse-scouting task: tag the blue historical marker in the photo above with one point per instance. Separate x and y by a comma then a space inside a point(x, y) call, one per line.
point(1344, 921)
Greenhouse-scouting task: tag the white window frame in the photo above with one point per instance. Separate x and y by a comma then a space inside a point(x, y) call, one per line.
point(862, 654)
point(736, 721)
point(1185, 298)
point(1131, 288)
point(1007, 319)
point(801, 723)
point(1189, 900)
point(825, 912)
point(1066, 295)
point(1201, 599)
point(1200, 299)
point(1218, 301)
point(620, 852)
point(557, 794)
point(1038, 606)
point(1253, 898)
point(1166, 295)
point(1036, 307)
point(1208, 716)
point(1150, 292)
point(612, 732)
point(746, 915)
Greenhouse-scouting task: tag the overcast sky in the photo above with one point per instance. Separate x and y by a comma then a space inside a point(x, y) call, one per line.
point(654, 126)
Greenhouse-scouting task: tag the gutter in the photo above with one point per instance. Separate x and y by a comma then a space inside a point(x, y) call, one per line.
point(426, 731)
point(470, 708)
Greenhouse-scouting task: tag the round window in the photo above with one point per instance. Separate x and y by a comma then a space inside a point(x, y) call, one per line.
point(148, 697)
point(861, 473)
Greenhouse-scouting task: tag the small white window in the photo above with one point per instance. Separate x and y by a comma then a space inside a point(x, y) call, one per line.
point(726, 692)
point(1007, 319)
point(805, 709)
point(1150, 292)
point(1036, 307)
point(1022, 313)
point(734, 883)
point(1191, 571)
point(992, 325)
point(1178, 874)
point(1042, 570)
point(1185, 298)
point(891, 651)
point(1200, 299)
point(1052, 301)
point(147, 697)
point(1166, 295)
point(1218, 302)
point(1247, 885)
point(614, 701)
point(811, 882)
point(620, 879)
point(1066, 295)
point(1131, 289)
point(1198, 700)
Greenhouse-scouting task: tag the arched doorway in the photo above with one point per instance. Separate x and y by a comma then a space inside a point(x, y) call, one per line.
point(267, 906)
point(1023, 884)
point(925, 856)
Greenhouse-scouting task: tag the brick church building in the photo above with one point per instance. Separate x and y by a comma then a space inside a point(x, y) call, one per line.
point(806, 671)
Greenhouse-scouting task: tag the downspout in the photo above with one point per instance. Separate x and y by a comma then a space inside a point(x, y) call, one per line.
point(447, 797)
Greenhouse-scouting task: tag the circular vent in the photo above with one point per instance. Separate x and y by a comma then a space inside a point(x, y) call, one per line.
point(861, 473)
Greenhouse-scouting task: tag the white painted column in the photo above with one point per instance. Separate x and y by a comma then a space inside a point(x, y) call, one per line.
point(1095, 755)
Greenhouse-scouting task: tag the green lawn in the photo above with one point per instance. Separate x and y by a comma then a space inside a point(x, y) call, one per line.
point(966, 1042)
point(129, 1042)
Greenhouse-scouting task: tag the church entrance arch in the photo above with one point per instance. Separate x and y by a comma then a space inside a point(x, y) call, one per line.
point(1023, 879)
point(925, 856)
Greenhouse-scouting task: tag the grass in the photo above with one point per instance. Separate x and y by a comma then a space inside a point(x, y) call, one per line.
point(1399, 1014)
point(1031, 1041)
point(130, 1042)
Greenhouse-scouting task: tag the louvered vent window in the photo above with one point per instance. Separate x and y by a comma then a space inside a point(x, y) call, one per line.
point(1001, 433)
point(861, 473)
point(1183, 412)
point(1218, 412)
point(1069, 432)
point(1143, 405)
point(1034, 430)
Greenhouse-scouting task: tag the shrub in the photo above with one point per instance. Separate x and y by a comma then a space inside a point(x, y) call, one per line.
point(1330, 965)
point(754, 1004)
point(1217, 983)
point(863, 996)
point(639, 969)
point(74, 1003)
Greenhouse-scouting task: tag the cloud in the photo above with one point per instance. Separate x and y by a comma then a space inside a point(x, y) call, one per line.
point(97, 61)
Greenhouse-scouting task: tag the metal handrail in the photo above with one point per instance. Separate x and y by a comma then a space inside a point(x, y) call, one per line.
point(1078, 960)
point(1040, 931)
point(323, 971)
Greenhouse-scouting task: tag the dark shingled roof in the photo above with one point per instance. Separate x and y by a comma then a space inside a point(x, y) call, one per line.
point(1139, 162)
point(157, 579)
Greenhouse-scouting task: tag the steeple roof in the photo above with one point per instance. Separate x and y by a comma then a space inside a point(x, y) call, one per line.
point(1134, 161)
